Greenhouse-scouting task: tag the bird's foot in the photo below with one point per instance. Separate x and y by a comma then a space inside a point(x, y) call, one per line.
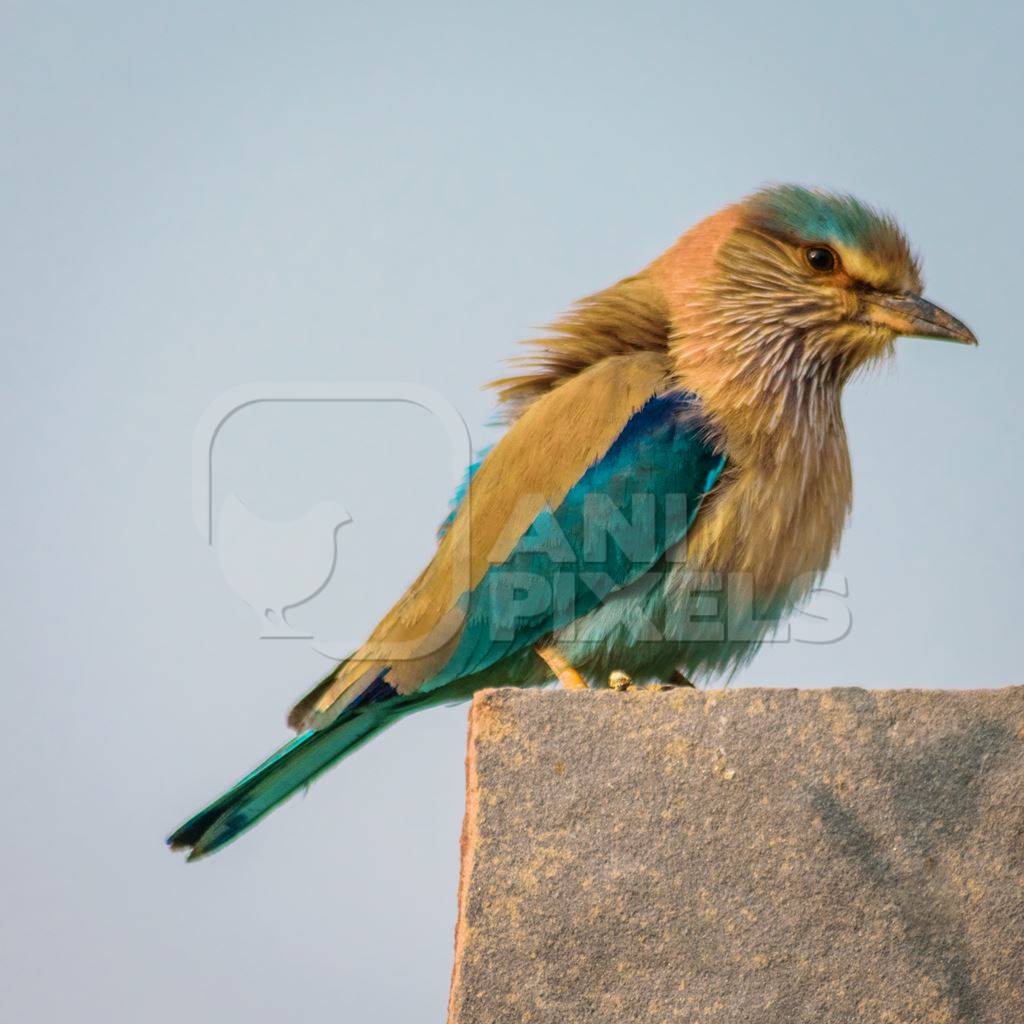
point(572, 680)
point(678, 679)
point(621, 681)
point(564, 672)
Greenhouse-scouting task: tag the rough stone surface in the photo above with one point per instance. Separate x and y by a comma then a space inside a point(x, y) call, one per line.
point(749, 855)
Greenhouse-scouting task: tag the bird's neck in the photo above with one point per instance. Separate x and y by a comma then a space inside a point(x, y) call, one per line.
point(770, 399)
point(778, 416)
point(763, 377)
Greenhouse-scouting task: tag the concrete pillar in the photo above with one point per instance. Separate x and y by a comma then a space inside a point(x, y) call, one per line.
point(746, 855)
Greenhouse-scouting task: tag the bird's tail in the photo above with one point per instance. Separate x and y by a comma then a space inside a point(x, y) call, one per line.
point(295, 765)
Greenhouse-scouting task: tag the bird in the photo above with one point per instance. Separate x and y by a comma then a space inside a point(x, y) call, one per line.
point(275, 566)
point(675, 437)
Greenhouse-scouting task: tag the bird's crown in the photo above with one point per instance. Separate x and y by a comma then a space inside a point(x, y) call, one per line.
point(873, 247)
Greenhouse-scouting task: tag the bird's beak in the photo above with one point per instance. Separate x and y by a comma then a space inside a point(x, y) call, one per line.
point(913, 317)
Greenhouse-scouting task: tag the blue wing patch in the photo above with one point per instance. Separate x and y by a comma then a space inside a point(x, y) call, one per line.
point(625, 512)
point(460, 491)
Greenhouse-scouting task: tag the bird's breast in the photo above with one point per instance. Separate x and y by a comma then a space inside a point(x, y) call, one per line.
point(772, 524)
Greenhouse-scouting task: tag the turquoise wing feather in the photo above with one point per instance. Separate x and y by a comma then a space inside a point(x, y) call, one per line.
point(626, 511)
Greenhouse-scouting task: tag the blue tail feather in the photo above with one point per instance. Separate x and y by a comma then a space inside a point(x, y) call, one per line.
point(288, 769)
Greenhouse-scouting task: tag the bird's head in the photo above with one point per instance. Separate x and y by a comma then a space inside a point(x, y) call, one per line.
point(789, 292)
point(767, 308)
point(840, 268)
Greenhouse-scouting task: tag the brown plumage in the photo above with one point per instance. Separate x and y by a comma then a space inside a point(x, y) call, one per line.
point(628, 318)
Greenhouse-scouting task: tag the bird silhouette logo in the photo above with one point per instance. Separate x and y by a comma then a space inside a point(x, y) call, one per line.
point(273, 566)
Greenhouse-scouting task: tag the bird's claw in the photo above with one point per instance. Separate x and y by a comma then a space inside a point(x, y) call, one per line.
point(623, 682)
point(678, 679)
point(620, 681)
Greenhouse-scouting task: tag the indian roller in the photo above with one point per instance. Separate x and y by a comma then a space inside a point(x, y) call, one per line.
point(677, 437)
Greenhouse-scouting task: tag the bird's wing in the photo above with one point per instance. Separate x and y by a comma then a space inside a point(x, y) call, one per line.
point(616, 442)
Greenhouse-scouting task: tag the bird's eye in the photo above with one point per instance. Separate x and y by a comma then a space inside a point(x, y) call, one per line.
point(821, 258)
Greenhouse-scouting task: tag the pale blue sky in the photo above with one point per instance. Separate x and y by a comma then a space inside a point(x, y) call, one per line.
point(198, 196)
